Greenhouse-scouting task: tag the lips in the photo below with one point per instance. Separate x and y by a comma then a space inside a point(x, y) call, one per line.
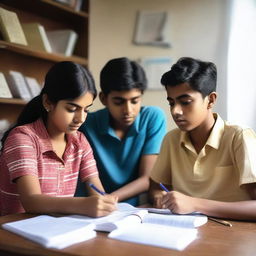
point(180, 121)
point(74, 127)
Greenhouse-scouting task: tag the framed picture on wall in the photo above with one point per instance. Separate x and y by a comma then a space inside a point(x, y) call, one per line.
point(152, 29)
point(154, 68)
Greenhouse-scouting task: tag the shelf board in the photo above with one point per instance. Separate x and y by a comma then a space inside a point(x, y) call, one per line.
point(66, 8)
point(25, 50)
point(13, 101)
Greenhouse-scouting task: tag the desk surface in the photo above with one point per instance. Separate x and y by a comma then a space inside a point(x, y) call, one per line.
point(213, 239)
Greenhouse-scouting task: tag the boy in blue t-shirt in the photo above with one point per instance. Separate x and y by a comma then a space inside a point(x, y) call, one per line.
point(125, 136)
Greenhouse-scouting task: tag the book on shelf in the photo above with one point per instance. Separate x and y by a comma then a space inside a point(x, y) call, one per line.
point(33, 86)
point(74, 4)
point(10, 27)
point(172, 231)
point(4, 88)
point(18, 85)
point(62, 41)
point(36, 36)
point(52, 232)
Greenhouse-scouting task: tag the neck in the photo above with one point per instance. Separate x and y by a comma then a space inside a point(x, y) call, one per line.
point(200, 135)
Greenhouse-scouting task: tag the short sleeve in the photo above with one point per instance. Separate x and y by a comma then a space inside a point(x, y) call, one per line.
point(161, 171)
point(155, 130)
point(20, 154)
point(88, 166)
point(244, 151)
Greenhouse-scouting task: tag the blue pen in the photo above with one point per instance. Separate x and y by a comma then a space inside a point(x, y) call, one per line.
point(163, 187)
point(97, 190)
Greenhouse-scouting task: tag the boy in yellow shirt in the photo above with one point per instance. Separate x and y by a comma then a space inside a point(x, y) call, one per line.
point(208, 165)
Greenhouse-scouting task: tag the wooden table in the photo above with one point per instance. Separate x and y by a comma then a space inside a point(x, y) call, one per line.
point(213, 239)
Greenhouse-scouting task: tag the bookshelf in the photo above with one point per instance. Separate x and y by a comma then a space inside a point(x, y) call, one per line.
point(52, 15)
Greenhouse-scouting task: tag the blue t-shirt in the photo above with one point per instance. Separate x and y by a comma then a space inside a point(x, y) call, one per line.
point(118, 160)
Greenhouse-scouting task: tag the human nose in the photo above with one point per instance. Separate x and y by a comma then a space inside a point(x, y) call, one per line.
point(127, 108)
point(80, 116)
point(176, 110)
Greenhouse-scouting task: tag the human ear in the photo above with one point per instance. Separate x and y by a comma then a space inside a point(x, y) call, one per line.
point(46, 103)
point(103, 98)
point(212, 99)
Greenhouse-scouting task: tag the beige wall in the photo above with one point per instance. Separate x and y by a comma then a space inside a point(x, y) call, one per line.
point(196, 28)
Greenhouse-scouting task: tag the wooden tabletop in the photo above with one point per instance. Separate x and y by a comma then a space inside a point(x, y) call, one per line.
point(213, 239)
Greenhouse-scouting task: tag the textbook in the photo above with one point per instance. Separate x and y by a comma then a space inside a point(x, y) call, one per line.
point(139, 225)
point(36, 37)
point(52, 232)
point(4, 88)
point(17, 85)
point(10, 27)
point(62, 41)
point(33, 86)
point(129, 215)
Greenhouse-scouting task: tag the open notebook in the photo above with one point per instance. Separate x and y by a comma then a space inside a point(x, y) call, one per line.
point(129, 215)
point(128, 223)
point(151, 226)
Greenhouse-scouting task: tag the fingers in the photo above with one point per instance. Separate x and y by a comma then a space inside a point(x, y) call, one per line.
point(104, 205)
point(157, 203)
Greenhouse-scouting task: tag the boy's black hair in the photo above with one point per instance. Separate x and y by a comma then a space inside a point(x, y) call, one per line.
point(122, 74)
point(200, 75)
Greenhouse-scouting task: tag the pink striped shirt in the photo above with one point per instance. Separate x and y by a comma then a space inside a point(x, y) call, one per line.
point(28, 151)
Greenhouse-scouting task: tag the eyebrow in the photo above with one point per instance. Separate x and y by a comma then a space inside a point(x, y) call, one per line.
point(180, 97)
point(121, 98)
point(76, 105)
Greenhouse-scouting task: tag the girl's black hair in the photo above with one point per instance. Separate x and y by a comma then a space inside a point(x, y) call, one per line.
point(65, 80)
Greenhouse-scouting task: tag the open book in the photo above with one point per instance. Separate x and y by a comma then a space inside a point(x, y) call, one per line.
point(127, 215)
point(139, 225)
point(52, 232)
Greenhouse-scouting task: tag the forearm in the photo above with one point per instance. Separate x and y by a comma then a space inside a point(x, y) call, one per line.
point(40, 203)
point(243, 210)
point(133, 188)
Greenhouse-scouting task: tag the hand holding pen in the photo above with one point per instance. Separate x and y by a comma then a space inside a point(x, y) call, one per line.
point(222, 222)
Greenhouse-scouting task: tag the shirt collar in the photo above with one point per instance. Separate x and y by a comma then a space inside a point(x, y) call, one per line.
point(107, 129)
point(214, 138)
point(44, 138)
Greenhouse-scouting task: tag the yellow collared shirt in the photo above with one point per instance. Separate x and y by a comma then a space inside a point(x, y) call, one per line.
point(227, 161)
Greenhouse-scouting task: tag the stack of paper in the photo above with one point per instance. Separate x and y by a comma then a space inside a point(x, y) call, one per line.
point(52, 232)
point(156, 235)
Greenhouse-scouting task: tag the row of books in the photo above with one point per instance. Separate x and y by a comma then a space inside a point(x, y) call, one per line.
point(16, 85)
point(35, 36)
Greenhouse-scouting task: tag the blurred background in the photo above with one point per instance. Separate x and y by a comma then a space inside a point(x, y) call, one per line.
point(221, 31)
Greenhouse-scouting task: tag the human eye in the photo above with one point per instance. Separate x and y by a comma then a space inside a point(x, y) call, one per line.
point(71, 109)
point(186, 102)
point(135, 101)
point(118, 102)
point(171, 103)
point(86, 110)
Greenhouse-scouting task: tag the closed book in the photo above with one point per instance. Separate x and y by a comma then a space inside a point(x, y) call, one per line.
point(62, 41)
point(10, 27)
point(33, 86)
point(4, 88)
point(36, 37)
point(18, 86)
point(52, 232)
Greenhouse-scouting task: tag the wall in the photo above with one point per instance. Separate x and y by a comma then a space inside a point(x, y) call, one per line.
point(197, 29)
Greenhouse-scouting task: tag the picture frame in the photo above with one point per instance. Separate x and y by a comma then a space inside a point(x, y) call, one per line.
point(152, 29)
